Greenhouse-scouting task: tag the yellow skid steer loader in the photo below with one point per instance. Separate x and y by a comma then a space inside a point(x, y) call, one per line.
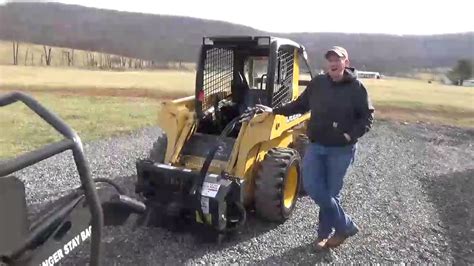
point(219, 156)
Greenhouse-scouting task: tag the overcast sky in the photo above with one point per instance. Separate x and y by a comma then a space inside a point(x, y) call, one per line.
point(356, 16)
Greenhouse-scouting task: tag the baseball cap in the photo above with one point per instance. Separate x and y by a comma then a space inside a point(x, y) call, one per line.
point(338, 50)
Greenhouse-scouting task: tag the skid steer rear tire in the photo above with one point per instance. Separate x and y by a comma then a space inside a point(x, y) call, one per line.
point(277, 184)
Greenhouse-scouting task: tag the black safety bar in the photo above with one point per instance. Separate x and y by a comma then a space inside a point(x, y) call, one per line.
point(72, 142)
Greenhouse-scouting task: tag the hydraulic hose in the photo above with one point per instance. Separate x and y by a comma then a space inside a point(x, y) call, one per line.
point(110, 182)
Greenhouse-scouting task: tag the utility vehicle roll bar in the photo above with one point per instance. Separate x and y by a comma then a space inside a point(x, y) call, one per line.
point(71, 142)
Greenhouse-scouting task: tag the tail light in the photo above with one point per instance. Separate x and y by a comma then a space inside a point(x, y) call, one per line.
point(201, 96)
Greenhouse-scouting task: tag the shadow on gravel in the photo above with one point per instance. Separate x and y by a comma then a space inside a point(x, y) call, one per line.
point(302, 255)
point(453, 196)
point(195, 246)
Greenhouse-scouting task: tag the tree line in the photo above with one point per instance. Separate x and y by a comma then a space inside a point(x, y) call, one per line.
point(70, 58)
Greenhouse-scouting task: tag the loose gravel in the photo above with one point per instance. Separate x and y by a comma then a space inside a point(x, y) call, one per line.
point(410, 190)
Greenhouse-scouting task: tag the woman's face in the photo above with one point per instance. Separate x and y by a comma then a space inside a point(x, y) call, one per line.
point(336, 66)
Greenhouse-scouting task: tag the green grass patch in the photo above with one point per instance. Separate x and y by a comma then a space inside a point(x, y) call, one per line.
point(92, 117)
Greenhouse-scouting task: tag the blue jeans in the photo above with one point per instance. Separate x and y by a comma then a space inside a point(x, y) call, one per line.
point(324, 169)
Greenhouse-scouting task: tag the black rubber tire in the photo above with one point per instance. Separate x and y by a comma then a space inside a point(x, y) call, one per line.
point(300, 144)
point(158, 151)
point(270, 182)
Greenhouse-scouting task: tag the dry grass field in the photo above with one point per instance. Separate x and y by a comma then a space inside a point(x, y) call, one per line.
point(152, 84)
point(104, 103)
point(95, 103)
point(415, 100)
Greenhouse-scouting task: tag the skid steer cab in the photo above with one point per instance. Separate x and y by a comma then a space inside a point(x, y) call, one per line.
point(219, 156)
point(49, 235)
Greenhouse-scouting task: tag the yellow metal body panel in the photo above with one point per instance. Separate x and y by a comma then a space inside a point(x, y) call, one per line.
point(261, 135)
point(177, 119)
point(296, 76)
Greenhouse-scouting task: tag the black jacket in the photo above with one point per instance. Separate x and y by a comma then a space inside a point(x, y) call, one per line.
point(346, 102)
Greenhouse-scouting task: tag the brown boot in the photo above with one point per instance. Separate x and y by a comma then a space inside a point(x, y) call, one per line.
point(320, 243)
point(335, 241)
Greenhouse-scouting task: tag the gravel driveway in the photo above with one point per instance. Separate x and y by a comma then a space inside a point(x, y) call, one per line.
point(411, 190)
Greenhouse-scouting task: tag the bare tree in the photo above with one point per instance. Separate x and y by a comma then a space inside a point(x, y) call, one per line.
point(68, 56)
point(138, 63)
point(100, 60)
point(71, 58)
point(64, 57)
point(123, 61)
point(14, 54)
point(26, 55)
point(16, 44)
point(47, 55)
point(108, 61)
point(91, 62)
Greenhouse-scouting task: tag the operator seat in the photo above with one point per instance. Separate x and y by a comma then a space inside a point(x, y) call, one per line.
point(244, 96)
point(239, 91)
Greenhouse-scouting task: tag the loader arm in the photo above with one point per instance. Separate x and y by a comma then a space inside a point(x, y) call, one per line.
point(177, 119)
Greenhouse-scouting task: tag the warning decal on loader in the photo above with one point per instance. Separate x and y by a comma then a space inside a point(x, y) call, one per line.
point(210, 189)
point(292, 117)
point(68, 247)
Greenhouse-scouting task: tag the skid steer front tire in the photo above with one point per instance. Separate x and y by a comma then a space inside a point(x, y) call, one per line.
point(277, 184)
point(158, 151)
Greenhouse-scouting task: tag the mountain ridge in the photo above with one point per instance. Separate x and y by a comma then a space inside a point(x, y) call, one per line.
point(177, 38)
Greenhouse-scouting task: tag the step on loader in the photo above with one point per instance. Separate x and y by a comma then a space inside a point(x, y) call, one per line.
point(220, 156)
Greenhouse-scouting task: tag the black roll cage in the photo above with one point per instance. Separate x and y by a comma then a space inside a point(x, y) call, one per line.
point(271, 44)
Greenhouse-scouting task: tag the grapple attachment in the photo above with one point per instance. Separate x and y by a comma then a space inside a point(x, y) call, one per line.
point(172, 196)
